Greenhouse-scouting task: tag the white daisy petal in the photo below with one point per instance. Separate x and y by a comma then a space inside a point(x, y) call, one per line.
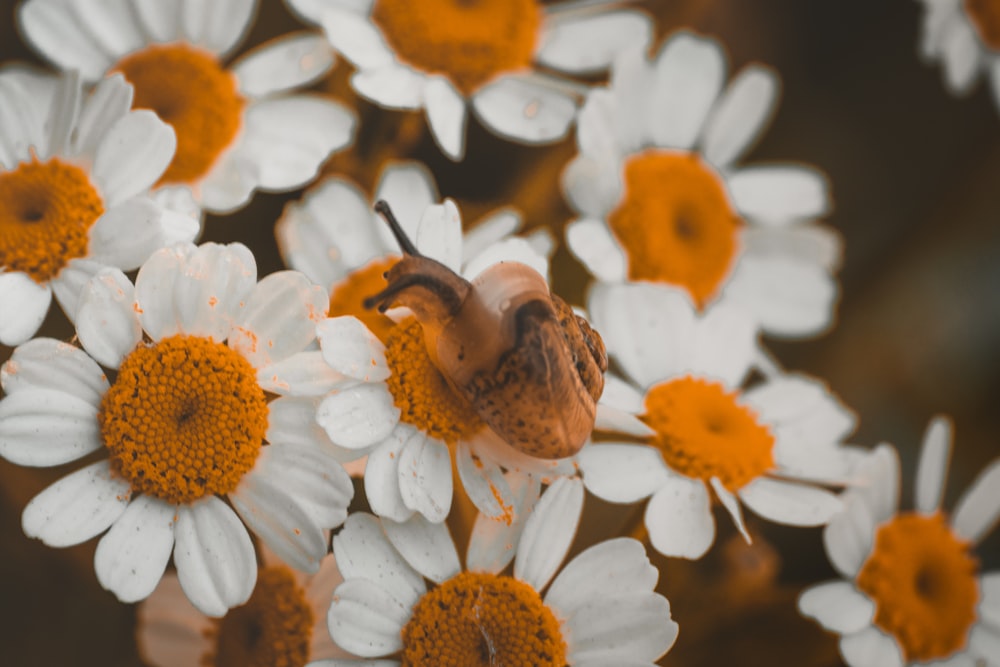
point(64, 110)
point(848, 537)
point(54, 29)
point(800, 411)
point(161, 20)
point(989, 604)
point(439, 234)
point(679, 518)
point(518, 250)
point(291, 61)
point(838, 606)
point(615, 567)
point(978, 509)
point(985, 641)
point(815, 245)
point(426, 546)
point(870, 648)
point(77, 507)
point(69, 284)
point(106, 320)
point(46, 363)
point(878, 483)
point(229, 184)
point(593, 186)
point(779, 194)
point(132, 556)
point(592, 243)
point(548, 532)
point(358, 416)
point(484, 482)
point(210, 290)
point(490, 229)
point(622, 473)
point(292, 421)
point(24, 304)
point(619, 421)
point(732, 506)
point(724, 345)
point(133, 154)
point(523, 110)
point(391, 86)
point(382, 475)
point(637, 626)
point(301, 374)
point(110, 23)
point(356, 38)
point(311, 10)
point(320, 484)
point(590, 42)
point(425, 483)
point(351, 349)
point(789, 503)
point(622, 396)
point(21, 119)
point(215, 560)
point(446, 116)
point(365, 619)
point(933, 466)
point(740, 115)
point(364, 552)
point(46, 427)
point(409, 189)
point(171, 632)
point(494, 541)
point(961, 54)
point(126, 235)
point(217, 25)
point(687, 79)
point(155, 291)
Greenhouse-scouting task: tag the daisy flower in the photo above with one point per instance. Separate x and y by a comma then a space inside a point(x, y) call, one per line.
point(238, 129)
point(965, 36)
point(75, 174)
point(185, 422)
point(600, 609)
point(912, 593)
point(701, 430)
point(661, 198)
point(445, 55)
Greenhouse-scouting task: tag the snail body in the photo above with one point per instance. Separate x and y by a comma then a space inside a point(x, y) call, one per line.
point(530, 367)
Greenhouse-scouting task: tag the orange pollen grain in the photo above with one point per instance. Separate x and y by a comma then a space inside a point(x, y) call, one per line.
point(273, 629)
point(420, 391)
point(188, 89)
point(703, 432)
point(469, 41)
point(476, 619)
point(923, 581)
point(46, 212)
point(985, 18)
point(347, 295)
point(675, 222)
point(184, 418)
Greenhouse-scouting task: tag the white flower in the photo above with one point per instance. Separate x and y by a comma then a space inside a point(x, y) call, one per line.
point(765, 446)
point(912, 593)
point(661, 198)
point(965, 36)
point(185, 422)
point(239, 129)
point(75, 174)
point(600, 609)
point(440, 55)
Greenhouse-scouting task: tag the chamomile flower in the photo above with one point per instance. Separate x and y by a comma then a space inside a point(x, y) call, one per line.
point(445, 55)
point(600, 609)
point(965, 36)
point(239, 128)
point(185, 422)
point(912, 593)
point(662, 199)
point(701, 430)
point(75, 174)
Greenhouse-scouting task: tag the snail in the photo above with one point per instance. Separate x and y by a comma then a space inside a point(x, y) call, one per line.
point(532, 369)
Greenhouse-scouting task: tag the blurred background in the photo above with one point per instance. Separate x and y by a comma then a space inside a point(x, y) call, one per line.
point(915, 178)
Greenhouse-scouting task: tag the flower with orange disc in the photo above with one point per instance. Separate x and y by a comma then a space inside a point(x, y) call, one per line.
point(445, 55)
point(965, 36)
point(239, 128)
point(75, 175)
point(661, 197)
point(600, 609)
point(184, 409)
point(912, 594)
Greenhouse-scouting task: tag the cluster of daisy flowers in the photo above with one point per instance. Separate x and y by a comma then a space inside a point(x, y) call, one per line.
point(212, 419)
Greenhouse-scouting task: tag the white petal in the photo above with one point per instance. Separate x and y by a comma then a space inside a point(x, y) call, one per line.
point(356, 38)
point(45, 363)
point(77, 507)
point(484, 482)
point(989, 603)
point(229, 184)
point(489, 229)
point(132, 556)
point(622, 473)
point(732, 506)
point(870, 648)
point(302, 374)
point(592, 243)
point(508, 250)
point(523, 110)
point(365, 619)
point(217, 25)
point(351, 349)
point(679, 519)
point(446, 116)
point(292, 421)
point(310, 11)
point(155, 287)
point(994, 73)
point(779, 194)
point(619, 421)
point(637, 626)
point(46, 427)
point(848, 537)
point(615, 567)
point(593, 186)
point(740, 115)
point(171, 631)
point(725, 343)
point(312, 478)
point(985, 641)
point(978, 509)
point(214, 556)
point(106, 322)
point(109, 101)
point(878, 483)
point(291, 61)
point(24, 304)
point(54, 29)
point(358, 416)
point(425, 483)
point(210, 290)
point(68, 285)
point(800, 411)
point(22, 110)
point(789, 503)
point(933, 466)
point(838, 606)
point(409, 189)
point(426, 546)
point(161, 20)
point(494, 541)
point(391, 86)
point(961, 55)
point(622, 396)
point(133, 155)
point(126, 235)
point(382, 475)
point(439, 234)
point(590, 42)
point(63, 113)
point(364, 552)
point(548, 532)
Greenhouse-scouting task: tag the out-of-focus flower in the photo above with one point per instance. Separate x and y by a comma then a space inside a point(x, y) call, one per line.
point(701, 431)
point(661, 199)
point(185, 422)
point(75, 174)
point(238, 129)
point(600, 609)
point(913, 594)
point(965, 36)
point(442, 55)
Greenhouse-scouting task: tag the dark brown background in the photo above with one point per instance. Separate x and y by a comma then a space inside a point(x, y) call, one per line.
point(916, 183)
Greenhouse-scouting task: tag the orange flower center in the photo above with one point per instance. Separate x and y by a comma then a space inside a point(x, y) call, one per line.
point(184, 418)
point(46, 211)
point(477, 619)
point(187, 88)
point(273, 628)
point(675, 222)
point(703, 432)
point(420, 391)
point(985, 18)
point(349, 293)
point(469, 41)
point(924, 584)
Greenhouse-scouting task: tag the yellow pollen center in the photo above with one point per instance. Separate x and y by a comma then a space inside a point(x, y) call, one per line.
point(477, 619)
point(46, 211)
point(184, 418)
point(421, 392)
point(985, 18)
point(469, 41)
point(675, 222)
point(924, 584)
point(273, 628)
point(188, 89)
point(703, 432)
point(349, 293)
